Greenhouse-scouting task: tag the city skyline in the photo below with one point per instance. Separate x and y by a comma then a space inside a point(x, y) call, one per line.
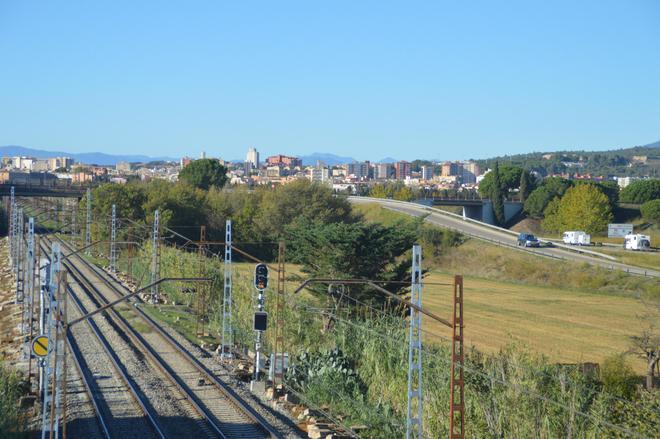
point(437, 80)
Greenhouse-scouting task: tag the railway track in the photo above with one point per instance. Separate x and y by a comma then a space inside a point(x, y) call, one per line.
point(120, 409)
point(213, 408)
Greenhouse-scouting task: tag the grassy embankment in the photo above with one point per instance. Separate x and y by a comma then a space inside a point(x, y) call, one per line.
point(569, 312)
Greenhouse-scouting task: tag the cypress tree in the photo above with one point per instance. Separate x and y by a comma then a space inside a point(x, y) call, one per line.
point(496, 196)
point(525, 184)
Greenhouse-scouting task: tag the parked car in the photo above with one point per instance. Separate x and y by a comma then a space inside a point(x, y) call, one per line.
point(528, 240)
point(577, 238)
point(637, 242)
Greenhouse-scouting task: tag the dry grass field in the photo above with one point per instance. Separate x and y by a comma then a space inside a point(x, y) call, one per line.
point(567, 311)
point(567, 326)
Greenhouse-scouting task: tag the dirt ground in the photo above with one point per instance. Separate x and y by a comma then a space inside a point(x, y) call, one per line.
point(10, 313)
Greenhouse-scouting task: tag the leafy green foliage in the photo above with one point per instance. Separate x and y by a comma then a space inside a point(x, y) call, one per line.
point(651, 210)
point(299, 200)
point(525, 187)
point(508, 178)
point(179, 204)
point(539, 198)
point(641, 191)
point(204, 173)
point(618, 377)
point(352, 251)
point(129, 199)
point(583, 207)
point(496, 193)
point(404, 194)
point(614, 162)
point(11, 421)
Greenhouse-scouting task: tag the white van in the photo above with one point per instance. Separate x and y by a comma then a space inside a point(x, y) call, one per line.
point(577, 238)
point(637, 242)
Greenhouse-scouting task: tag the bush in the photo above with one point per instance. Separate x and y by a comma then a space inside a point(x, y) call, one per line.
point(11, 422)
point(651, 210)
point(618, 377)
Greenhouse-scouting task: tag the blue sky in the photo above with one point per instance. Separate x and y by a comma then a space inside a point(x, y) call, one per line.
point(367, 79)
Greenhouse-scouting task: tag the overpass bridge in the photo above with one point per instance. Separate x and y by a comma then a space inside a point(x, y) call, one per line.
point(53, 191)
point(479, 209)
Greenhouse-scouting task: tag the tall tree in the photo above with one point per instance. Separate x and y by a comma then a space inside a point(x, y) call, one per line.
point(496, 196)
point(204, 173)
point(525, 185)
point(583, 207)
point(353, 251)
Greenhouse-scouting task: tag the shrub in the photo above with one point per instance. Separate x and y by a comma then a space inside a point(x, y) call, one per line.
point(651, 210)
point(618, 377)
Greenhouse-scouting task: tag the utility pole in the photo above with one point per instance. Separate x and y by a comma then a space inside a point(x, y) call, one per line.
point(227, 331)
point(88, 226)
point(155, 258)
point(113, 239)
point(414, 426)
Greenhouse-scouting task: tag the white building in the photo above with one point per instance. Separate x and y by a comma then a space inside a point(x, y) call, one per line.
point(319, 174)
point(253, 157)
point(427, 172)
point(625, 181)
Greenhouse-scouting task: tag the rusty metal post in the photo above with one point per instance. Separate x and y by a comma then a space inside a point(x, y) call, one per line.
point(456, 401)
point(278, 374)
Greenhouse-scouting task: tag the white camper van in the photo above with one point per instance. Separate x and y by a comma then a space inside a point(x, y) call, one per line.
point(577, 238)
point(637, 242)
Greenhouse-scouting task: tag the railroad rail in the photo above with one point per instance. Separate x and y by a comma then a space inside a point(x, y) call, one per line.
point(223, 413)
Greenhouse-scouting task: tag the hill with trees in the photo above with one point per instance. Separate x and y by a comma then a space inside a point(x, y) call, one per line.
point(639, 161)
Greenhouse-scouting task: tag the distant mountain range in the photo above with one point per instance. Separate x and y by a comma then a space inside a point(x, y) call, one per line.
point(96, 158)
point(100, 158)
point(326, 158)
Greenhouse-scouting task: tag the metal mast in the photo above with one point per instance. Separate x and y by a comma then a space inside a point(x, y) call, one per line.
point(49, 422)
point(201, 289)
point(457, 404)
point(414, 427)
point(88, 223)
point(155, 257)
point(29, 279)
point(74, 222)
point(227, 332)
point(12, 216)
point(19, 254)
point(278, 363)
point(113, 239)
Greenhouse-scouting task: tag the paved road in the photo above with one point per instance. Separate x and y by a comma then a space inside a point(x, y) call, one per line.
point(476, 230)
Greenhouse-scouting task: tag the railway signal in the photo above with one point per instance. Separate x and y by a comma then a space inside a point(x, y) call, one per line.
point(260, 317)
point(261, 277)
